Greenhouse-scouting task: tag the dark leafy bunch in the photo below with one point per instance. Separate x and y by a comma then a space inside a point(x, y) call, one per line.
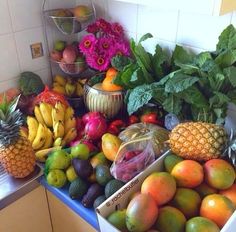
point(192, 86)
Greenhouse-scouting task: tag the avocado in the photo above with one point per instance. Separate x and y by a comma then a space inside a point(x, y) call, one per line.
point(112, 186)
point(98, 201)
point(78, 188)
point(83, 168)
point(103, 174)
point(94, 191)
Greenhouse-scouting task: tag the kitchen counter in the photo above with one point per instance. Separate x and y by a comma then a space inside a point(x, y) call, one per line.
point(12, 189)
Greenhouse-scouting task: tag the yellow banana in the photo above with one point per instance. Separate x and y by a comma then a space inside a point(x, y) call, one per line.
point(57, 142)
point(40, 137)
point(70, 123)
point(79, 89)
point(69, 113)
point(49, 139)
point(38, 115)
point(59, 89)
point(42, 155)
point(69, 136)
point(32, 128)
point(57, 116)
point(60, 107)
point(58, 130)
point(46, 112)
point(60, 80)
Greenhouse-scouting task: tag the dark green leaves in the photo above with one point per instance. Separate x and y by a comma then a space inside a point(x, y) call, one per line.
point(227, 39)
point(172, 104)
point(230, 72)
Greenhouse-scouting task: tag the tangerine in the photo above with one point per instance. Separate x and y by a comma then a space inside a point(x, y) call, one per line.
point(108, 84)
point(217, 208)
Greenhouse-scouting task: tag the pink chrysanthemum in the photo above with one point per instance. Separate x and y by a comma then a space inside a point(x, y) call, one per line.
point(105, 44)
point(98, 62)
point(120, 48)
point(104, 26)
point(117, 30)
point(88, 43)
point(93, 28)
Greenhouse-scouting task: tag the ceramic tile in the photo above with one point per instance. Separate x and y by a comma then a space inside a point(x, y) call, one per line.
point(55, 4)
point(23, 41)
point(124, 13)
point(9, 66)
point(5, 19)
point(45, 75)
point(25, 14)
point(201, 31)
point(7, 84)
point(160, 23)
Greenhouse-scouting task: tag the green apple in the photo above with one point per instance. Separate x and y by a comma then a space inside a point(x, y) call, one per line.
point(71, 174)
point(56, 178)
point(59, 45)
point(80, 151)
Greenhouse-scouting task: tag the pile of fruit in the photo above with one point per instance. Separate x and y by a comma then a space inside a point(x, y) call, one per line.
point(68, 56)
point(67, 86)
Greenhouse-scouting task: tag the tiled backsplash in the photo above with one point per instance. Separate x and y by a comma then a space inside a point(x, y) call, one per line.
point(21, 25)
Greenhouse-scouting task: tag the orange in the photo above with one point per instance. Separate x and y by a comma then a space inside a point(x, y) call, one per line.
point(187, 201)
point(201, 224)
point(107, 83)
point(170, 219)
point(230, 193)
point(188, 173)
point(217, 208)
point(219, 173)
point(110, 145)
point(160, 185)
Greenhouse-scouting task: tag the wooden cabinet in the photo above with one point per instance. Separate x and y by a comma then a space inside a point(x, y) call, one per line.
point(27, 214)
point(64, 219)
point(210, 7)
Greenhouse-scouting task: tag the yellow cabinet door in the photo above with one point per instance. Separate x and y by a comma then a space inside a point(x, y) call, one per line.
point(27, 214)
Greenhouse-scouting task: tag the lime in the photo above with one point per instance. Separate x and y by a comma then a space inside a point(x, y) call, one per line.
point(80, 151)
point(117, 219)
point(56, 178)
point(71, 174)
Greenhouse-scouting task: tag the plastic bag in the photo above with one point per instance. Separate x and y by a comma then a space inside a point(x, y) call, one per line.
point(132, 158)
point(157, 134)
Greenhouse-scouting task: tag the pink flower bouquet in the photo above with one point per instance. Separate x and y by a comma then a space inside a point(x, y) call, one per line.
point(105, 41)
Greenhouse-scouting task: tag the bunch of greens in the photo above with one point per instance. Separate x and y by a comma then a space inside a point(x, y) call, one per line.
point(197, 87)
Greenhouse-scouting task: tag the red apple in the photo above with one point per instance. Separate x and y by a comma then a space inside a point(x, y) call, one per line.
point(55, 55)
point(69, 54)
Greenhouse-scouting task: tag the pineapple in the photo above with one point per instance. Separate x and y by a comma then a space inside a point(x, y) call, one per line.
point(16, 153)
point(198, 140)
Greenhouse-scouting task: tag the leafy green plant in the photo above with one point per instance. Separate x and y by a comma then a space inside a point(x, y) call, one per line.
point(192, 86)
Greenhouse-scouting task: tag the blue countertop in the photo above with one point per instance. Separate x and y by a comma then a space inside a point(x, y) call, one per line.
point(88, 215)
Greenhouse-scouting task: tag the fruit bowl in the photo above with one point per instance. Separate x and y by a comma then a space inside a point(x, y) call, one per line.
point(107, 102)
point(73, 68)
point(66, 22)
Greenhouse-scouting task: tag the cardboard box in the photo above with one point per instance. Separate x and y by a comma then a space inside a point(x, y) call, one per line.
point(120, 199)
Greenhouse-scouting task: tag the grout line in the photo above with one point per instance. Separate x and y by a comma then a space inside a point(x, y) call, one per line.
point(177, 26)
point(49, 211)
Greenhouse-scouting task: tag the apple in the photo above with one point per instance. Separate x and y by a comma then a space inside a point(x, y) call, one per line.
point(55, 55)
point(69, 54)
point(59, 45)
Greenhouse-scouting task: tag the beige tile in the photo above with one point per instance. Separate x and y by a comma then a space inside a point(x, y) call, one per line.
point(23, 41)
point(5, 19)
point(25, 14)
point(9, 66)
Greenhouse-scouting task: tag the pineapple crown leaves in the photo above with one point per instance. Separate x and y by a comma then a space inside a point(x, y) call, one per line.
point(230, 150)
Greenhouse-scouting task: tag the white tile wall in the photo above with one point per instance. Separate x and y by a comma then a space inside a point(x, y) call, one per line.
point(21, 25)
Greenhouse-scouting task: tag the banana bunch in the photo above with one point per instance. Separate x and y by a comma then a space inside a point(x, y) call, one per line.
point(67, 86)
point(51, 126)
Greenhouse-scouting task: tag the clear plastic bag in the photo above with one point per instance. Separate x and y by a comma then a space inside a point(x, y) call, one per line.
point(132, 158)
